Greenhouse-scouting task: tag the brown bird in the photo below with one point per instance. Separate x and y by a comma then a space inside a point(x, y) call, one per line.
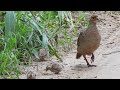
point(43, 54)
point(31, 75)
point(54, 67)
point(88, 40)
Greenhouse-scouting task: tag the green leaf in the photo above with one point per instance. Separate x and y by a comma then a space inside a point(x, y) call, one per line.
point(44, 41)
point(5, 62)
point(54, 52)
point(30, 36)
point(10, 20)
point(35, 53)
point(36, 26)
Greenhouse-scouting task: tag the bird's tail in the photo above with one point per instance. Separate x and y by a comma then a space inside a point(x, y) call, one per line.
point(78, 55)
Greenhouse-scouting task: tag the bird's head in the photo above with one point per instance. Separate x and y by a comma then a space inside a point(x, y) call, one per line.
point(48, 68)
point(94, 19)
point(31, 75)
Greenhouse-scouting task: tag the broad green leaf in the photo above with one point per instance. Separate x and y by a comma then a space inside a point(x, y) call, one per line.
point(10, 20)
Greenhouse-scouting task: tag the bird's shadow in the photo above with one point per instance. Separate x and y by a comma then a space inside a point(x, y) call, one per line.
point(81, 67)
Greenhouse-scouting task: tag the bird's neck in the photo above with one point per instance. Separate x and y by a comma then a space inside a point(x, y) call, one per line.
point(92, 26)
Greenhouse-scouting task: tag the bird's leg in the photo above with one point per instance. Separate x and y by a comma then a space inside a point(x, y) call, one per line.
point(88, 62)
point(92, 58)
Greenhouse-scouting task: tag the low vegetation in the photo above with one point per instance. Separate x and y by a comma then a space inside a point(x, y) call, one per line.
point(23, 33)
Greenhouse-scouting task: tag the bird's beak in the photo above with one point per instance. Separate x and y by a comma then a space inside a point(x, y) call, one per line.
point(46, 69)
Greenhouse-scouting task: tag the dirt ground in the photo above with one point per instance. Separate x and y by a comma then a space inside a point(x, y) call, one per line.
point(107, 56)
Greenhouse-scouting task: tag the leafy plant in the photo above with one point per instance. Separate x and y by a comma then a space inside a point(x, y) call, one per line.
point(25, 32)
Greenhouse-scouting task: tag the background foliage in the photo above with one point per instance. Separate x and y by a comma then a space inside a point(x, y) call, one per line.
point(23, 33)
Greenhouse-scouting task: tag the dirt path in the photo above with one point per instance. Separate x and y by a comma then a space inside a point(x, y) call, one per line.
point(107, 57)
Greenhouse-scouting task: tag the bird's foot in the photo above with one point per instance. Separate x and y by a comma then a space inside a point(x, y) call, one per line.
point(91, 65)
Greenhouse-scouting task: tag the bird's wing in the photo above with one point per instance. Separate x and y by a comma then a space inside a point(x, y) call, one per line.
point(54, 65)
point(80, 38)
